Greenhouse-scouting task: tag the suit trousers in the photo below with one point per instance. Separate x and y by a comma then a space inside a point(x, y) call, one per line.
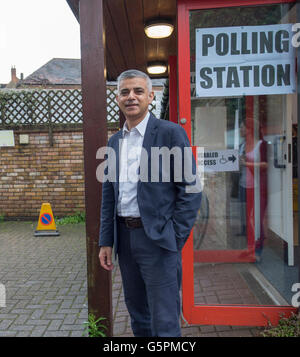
point(151, 278)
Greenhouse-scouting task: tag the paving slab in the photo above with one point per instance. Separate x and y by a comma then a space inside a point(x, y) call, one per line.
point(45, 281)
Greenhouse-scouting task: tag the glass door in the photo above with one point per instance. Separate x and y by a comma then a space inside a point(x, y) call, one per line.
point(237, 102)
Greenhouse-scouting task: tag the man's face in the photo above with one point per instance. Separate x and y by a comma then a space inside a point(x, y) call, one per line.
point(134, 98)
point(242, 130)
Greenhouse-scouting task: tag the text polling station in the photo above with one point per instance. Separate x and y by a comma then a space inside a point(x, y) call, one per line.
point(246, 60)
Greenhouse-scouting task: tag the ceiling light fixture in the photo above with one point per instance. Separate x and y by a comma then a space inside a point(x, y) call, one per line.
point(156, 67)
point(159, 28)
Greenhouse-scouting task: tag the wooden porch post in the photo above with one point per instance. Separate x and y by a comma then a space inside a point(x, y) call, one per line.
point(93, 70)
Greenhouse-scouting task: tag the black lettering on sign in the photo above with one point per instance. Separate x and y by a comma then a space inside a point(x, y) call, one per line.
point(237, 77)
point(207, 83)
point(282, 45)
point(268, 75)
point(283, 75)
point(209, 162)
point(210, 154)
point(266, 42)
point(245, 49)
point(232, 78)
point(256, 76)
point(245, 70)
point(222, 44)
point(254, 42)
point(219, 71)
point(207, 41)
point(234, 50)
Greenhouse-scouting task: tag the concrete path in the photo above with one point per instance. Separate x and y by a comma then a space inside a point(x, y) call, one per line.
point(46, 290)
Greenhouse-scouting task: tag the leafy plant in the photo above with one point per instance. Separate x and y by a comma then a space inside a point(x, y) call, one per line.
point(79, 217)
point(287, 327)
point(17, 95)
point(94, 328)
point(1, 218)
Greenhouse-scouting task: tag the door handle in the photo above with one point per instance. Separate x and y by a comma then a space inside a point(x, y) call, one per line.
point(289, 153)
point(279, 139)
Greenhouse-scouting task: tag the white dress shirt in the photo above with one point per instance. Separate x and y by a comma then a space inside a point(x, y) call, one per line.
point(130, 155)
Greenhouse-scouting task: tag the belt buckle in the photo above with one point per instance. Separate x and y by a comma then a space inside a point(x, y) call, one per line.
point(132, 222)
point(128, 221)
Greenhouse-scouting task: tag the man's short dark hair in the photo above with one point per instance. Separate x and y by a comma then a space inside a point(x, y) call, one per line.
point(133, 73)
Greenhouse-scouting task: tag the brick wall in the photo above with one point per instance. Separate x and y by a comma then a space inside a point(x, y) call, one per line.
point(36, 173)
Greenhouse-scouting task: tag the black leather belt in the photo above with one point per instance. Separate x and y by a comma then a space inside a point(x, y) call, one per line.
point(131, 222)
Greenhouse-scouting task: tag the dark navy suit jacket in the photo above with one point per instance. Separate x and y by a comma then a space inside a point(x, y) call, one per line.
point(167, 211)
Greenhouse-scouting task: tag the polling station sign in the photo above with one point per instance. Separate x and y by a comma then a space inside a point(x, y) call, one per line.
point(245, 60)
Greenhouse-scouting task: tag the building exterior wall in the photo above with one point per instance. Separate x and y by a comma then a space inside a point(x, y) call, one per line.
point(37, 173)
point(51, 167)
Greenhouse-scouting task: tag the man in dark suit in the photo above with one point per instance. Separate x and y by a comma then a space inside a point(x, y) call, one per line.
point(147, 211)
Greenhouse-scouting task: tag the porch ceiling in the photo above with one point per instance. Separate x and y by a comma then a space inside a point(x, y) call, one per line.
point(127, 46)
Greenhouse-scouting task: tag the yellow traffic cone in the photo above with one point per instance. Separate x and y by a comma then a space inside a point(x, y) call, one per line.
point(46, 224)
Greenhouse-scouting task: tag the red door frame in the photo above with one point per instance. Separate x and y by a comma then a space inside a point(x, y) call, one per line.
point(254, 315)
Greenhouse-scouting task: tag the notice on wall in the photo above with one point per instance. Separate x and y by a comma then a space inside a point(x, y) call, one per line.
point(246, 60)
point(218, 160)
point(7, 138)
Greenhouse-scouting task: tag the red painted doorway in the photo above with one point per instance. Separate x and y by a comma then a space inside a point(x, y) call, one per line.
point(223, 283)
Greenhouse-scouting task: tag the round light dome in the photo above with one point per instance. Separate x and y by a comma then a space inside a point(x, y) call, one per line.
point(156, 68)
point(159, 29)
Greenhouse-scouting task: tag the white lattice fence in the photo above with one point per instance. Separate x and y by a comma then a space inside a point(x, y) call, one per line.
point(55, 107)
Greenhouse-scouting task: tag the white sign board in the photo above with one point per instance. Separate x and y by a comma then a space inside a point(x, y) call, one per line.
point(218, 160)
point(7, 138)
point(246, 60)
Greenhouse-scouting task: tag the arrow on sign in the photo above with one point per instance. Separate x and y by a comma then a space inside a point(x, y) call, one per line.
point(232, 158)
